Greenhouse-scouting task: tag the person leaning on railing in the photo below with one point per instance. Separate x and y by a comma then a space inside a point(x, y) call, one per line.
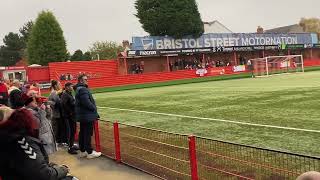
point(86, 113)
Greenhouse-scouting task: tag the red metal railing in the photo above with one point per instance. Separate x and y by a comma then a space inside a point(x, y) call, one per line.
point(175, 156)
point(117, 141)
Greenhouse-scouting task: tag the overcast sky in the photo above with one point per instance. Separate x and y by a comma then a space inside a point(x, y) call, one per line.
point(85, 22)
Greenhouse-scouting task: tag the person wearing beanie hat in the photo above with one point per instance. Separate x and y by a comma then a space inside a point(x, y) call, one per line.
point(46, 134)
point(22, 155)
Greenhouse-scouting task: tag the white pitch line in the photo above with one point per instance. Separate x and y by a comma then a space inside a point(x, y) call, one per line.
point(212, 119)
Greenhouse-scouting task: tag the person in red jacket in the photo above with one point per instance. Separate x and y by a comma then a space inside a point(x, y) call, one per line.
point(4, 96)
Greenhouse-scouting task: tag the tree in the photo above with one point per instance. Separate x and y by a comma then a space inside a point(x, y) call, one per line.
point(46, 42)
point(25, 32)
point(11, 52)
point(311, 25)
point(87, 56)
point(105, 49)
point(176, 18)
point(77, 56)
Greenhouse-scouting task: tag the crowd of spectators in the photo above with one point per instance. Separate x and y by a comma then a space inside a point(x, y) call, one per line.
point(136, 68)
point(33, 127)
point(184, 64)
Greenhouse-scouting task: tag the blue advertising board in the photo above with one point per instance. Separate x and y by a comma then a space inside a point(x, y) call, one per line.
point(221, 40)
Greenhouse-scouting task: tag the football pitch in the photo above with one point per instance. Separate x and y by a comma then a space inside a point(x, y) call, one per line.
point(280, 112)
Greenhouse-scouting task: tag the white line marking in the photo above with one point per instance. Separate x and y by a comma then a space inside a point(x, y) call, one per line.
point(212, 119)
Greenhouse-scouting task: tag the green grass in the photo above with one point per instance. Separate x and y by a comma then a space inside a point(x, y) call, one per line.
point(282, 100)
point(183, 81)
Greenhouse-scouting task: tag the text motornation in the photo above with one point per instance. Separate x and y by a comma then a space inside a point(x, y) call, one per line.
point(168, 43)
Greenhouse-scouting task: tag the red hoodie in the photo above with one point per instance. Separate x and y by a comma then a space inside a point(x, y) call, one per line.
point(4, 96)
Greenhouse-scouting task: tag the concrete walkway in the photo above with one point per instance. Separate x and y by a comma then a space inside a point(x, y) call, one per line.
point(98, 169)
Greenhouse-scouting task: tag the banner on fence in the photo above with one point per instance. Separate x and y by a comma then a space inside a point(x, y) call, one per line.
point(240, 68)
point(221, 40)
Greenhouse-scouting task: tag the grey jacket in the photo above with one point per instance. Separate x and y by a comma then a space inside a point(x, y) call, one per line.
point(55, 103)
point(46, 134)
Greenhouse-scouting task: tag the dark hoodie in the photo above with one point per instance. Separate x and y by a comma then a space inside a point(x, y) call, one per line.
point(85, 107)
point(22, 155)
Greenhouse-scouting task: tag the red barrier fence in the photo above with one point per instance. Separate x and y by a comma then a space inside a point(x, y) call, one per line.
point(175, 156)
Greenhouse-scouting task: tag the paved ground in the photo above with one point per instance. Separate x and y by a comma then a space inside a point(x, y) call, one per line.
point(98, 169)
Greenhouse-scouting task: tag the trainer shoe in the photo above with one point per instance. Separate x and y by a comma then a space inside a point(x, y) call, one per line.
point(72, 151)
point(94, 154)
point(83, 154)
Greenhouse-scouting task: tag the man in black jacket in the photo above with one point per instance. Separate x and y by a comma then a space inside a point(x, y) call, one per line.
point(68, 111)
point(86, 114)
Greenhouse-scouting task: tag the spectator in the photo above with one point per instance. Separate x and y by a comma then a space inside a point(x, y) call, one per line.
point(133, 68)
point(25, 88)
point(46, 134)
point(58, 124)
point(68, 110)
point(15, 95)
point(171, 66)
point(176, 65)
point(86, 114)
point(22, 154)
point(4, 96)
point(7, 83)
point(137, 68)
point(141, 67)
point(36, 88)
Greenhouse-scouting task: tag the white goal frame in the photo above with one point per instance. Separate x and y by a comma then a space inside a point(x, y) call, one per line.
point(266, 61)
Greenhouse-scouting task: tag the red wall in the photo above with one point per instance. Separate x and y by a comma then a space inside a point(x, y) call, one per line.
point(105, 73)
point(121, 80)
point(38, 74)
point(95, 69)
point(312, 62)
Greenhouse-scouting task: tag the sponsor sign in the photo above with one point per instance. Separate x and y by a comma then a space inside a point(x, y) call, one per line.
point(218, 49)
point(143, 53)
point(45, 85)
point(217, 71)
point(221, 40)
point(240, 68)
point(293, 46)
point(201, 72)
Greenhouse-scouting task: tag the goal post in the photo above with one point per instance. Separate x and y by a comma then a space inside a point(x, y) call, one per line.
point(277, 65)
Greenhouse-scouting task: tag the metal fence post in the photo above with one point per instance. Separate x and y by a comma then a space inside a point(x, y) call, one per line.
point(193, 158)
point(97, 136)
point(117, 141)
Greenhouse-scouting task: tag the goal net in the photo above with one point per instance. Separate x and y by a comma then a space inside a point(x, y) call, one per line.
point(276, 65)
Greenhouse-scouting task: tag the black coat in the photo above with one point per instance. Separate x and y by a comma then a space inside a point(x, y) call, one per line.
point(86, 109)
point(68, 105)
point(24, 158)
